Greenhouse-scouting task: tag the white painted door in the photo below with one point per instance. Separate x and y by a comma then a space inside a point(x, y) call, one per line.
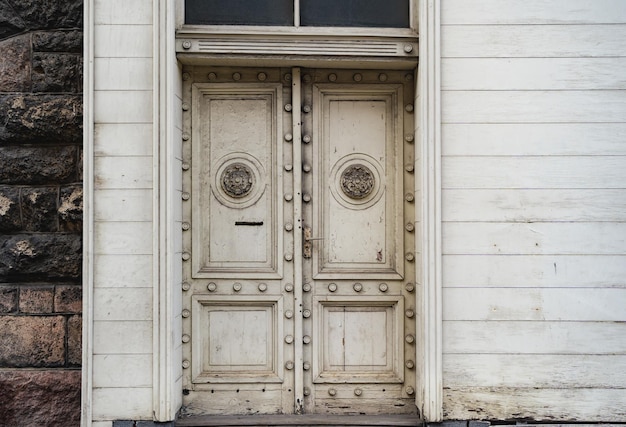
point(298, 250)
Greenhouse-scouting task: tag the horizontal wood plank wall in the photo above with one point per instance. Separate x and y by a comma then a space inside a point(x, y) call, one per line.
point(123, 214)
point(534, 209)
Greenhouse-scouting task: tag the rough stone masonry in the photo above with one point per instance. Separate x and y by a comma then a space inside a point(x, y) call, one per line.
point(40, 211)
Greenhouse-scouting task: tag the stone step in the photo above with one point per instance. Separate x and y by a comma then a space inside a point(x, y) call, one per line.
point(300, 420)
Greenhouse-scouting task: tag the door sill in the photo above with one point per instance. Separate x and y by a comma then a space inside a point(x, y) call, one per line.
point(300, 420)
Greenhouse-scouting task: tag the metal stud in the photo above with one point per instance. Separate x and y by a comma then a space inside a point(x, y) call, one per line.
point(236, 76)
point(409, 138)
point(288, 107)
point(410, 391)
point(289, 287)
point(409, 197)
point(357, 287)
point(306, 313)
point(288, 226)
point(186, 313)
point(288, 256)
point(409, 257)
point(289, 365)
point(288, 167)
point(261, 76)
point(185, 106)
point(409, 364)
point(288, 137)
point(288, 314)
point(185, 226)
point(410, 287)
point(211, 287)
point(185, 166)
point(306, 391)
point(288, 197)
point(186, 44)
point(237, 287)
point(332, 287)
point(409, 313)
point(306, 197)
point(262, 287)
point(306, 339)
point(306, 366)
point(185, 136)
point(357, 77)
point(186, 76)
point(306, 139)
point(332, 77)
point(332, 392)
point(409, 168)
point(186, 364)
point(408, 48)
point(287, 77)
point(186, 338)
point(306, 78)
point(409, 339)
point(382, 77)
point(289, 339)
point(185, 196)
point(409, 227)
point(383, 287)
point(306, 109)
point(212, 76)
point(186, 256)
point(358, 392)
point(409, 108)
point(186, 286)
point(306, 287)
point(306, 168)
point(408, 77)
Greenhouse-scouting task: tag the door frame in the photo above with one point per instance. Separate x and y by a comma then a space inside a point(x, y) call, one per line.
point(167, 264)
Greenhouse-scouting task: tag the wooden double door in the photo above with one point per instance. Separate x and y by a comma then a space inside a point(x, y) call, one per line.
point(299, 240)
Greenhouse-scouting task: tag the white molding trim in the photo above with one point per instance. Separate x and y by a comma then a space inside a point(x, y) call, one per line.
point(88, 215)
point(429, 137)
point(164, 309)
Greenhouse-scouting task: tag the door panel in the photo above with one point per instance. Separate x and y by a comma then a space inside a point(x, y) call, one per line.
point(331, 331)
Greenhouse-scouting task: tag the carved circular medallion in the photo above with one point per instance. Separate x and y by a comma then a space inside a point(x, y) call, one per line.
point(357, 181)
point(237, 180)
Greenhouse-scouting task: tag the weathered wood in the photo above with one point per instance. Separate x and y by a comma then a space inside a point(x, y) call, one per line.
point(559, 205)
point(545, 106)
point(534, 370)
point(541, 337)
point(601, 405)
point(556, 238)
point(566, 271)
point(533, 41)
point(582, 304)
point(534, 139)
point(532, 73)
point(533, 12)
point(301, 420)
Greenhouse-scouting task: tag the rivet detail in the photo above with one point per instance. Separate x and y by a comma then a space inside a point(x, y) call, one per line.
point(288, 197)
point(186, 76)
point(410, 391)
point(306, 197)
point(332, 287)
point(212, 76)
point(186, 338)
point(289, 339)
point(306, 287)
point(288, 137)
point(186, 286)
point(289, 287)
point(306, 109)
point(288, 314)
point(306, 168)
point(383, 287)
point(261, 76)
point(382, 77)
point(409, 108)
point(357, 77)
point(288, 107)
point(357, 287)
point(358, 392)
point(306, 366)
point(185, 196)
point(332, 77)
point(186, 256)
point(409, 138)
point(409, 313)
point(409, 168)
point(409, 257)
point(306, 339)
point(306, 313)
point(408, 48)
point(211, 287)
point(262, 287)
point(306, 139)
point(410, 287)
point(237, 287)
point(185, 226)
point(236, 76)
point(409, 227)
point(185, 106)
point(409, 197)
point(306, 391)
point(185, 136)
point(288, 167)
point(289, 365)
point(186, 364)
point(409, 339)
point(288, 256)
point(332, 392)
point(186, 313)
point(185, 166)
point(409, 364)
point(186, 44)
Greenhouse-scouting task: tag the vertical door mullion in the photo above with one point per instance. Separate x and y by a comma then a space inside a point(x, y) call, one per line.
point(296, 102)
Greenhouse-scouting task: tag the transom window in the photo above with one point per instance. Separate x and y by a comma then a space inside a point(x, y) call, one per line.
point(299, 13)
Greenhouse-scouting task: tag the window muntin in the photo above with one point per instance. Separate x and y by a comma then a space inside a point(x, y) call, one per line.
point(306, 13)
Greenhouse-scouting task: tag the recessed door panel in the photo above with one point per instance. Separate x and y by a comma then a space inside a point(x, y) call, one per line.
point(236, 179)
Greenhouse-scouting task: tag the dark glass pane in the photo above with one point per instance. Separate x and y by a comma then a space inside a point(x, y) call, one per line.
point(355, 13)
point(239, 12)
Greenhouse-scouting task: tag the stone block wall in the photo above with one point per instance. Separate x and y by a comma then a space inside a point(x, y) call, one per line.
point(40, 211)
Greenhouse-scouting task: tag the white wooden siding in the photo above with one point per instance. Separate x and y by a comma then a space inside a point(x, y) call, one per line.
point(534, 209)
point(123, 213)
